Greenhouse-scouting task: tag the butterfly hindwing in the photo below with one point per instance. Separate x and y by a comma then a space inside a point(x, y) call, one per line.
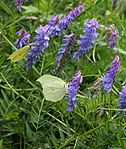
point(53, 87)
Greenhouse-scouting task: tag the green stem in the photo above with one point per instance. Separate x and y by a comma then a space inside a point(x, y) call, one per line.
point(42, 66)
point(85, 134)
point(38, 121)
point(37, 72)
point(9, 42)
point(7, 88)
point(58, 120)
point(94, 59)
point(111, 109)
point(75, 144)
point(20, 141)
point(27, 80)
point(14, 89)
point(82, 96)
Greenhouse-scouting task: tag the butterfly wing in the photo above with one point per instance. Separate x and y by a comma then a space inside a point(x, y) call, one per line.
point(53, 94)
point(19, 54)
point(53, 87)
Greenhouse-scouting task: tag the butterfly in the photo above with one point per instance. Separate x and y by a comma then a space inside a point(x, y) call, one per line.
point(19, 54)
point(54, 88)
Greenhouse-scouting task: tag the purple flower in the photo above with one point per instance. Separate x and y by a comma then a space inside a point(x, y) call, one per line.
point(88, 39)
point(122, 100)
point(39, 46)
point(109, 78)
point(65, 50)
point(19, 3)
point(73, 90)
point(112, 36)
point(67, 20)
point(52, 23)
point(23, 38)
point(41, 41)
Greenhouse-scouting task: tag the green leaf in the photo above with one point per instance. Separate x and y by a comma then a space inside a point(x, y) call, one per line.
point(19, 54)
point(120, 51)
point(53, 87)
point(11, 115)
point(30, 9)
point(1, 144)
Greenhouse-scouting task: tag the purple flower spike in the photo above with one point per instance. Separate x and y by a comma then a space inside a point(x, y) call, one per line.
point(109, 78)
point(112, 36)
point(122, 101)
point(52, 23)
point(73, 90)
point(64, 52)
point(88, 39)
point(19, 3)
point(23, 39)
point(39, 46)
point(67, 20)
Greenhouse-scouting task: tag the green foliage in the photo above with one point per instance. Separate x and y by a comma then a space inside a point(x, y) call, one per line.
point(27, 121)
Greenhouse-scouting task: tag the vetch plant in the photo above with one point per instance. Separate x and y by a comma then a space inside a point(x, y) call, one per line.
point(19, 3)
point(23, 39)
point(73, 90)
point(65, 50)
point(67, 20)
point(39, 46)
point(112, 36)
point(109, 78)
point(60, 110)
point(88, 39)
point(52, 23)
point(44, 33)
point(122, 100)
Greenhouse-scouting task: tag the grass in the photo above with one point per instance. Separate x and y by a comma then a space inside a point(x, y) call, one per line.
point(28, 121)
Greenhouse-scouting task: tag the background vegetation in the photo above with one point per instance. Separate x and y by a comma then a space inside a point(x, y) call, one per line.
point(27, 121)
